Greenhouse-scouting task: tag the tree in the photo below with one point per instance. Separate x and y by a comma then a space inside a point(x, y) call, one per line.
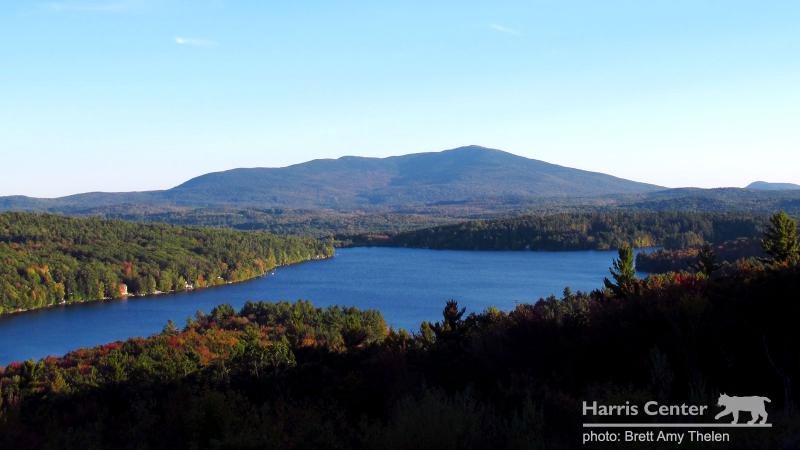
point(427, 334)
point(165, 281)
point(170, 328)
point(623, 272)
point(780, 239)
point(451, 322)
point(706, 261)
point(180, 284)
point(150, 284)
point(260, 358)
point(354, 335)
point(222, 312)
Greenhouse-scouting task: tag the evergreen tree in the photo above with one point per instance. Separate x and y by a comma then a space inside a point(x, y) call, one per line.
point(623, 273)
point(354, 335)
point(451, 322)
point(780, 239)
point(170, 328)
point(222, 312)
point(706, 261)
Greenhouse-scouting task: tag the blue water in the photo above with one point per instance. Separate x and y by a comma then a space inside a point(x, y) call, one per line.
point(406, 285)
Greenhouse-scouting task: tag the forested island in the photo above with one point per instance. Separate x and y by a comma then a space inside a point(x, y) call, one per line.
point(50, 259)
point(576, 231)
point(289, 375)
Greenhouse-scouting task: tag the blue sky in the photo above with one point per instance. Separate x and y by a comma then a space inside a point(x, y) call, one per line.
point(120, 95)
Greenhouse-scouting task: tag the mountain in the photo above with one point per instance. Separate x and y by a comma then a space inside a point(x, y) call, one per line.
point(470, 174)
point(766, 186)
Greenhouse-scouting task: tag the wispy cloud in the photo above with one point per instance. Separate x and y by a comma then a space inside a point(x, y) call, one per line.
point(195, 42)
point(504, 29)
point(99, 6)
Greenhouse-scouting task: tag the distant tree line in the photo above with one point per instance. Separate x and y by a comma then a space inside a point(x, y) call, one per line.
point(675, 260)
point(281, 221)
point(50, 259)
point(778, 242)
point(577, 231)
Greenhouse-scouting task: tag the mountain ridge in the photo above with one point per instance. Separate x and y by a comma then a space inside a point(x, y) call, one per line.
point(463, 174)
point(768, 186)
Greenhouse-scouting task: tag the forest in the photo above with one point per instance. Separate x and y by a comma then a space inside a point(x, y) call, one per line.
point(290, 375)
point(725, 255)
point(50, 259)
point(281, 221)
point(675, 260)
point(576, 231)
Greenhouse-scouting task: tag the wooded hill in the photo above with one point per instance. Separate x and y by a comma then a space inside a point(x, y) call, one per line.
point(48, 259)
point(576, 231)
point(465, 174)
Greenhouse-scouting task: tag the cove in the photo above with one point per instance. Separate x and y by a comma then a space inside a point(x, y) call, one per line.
point(406, 285)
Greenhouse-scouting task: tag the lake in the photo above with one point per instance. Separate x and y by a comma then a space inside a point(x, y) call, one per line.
point(406, 285)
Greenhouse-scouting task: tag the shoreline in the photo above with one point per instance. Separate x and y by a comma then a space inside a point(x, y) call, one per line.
point(489, 250)
point(159, 293)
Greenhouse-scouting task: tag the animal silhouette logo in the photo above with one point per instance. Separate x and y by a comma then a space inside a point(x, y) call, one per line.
point(734, 405)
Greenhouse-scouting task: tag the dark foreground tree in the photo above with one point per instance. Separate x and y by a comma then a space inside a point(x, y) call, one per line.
point(706, 261)
point(451, 320)
point(780, 239)
point(623, 272)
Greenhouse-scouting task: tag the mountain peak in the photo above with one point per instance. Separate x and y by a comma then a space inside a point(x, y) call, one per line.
point(468, 148)
point(767, 186)
point(468, 173)
point(476, 149)
point(471, 173)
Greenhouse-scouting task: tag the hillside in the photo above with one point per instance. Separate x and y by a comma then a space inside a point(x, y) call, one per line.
point(353, 195)
point(463, 174)
point(47, 260)
point(466, 174)
point(766, 186)
point(575, 231)
point(715, 200)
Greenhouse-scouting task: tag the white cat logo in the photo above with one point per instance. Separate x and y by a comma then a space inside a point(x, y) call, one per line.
point(733, 405)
